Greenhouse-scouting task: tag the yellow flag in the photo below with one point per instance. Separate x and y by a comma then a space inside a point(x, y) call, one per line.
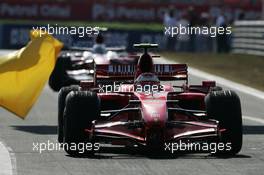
point(24, 73)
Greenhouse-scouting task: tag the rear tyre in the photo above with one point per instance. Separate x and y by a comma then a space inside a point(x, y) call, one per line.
point(225, 107)
point(82, 107)
point(59, 77)
point(61, 105)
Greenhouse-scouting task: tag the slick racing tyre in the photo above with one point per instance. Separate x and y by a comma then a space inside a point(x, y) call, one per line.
point(225, 107)
point(82, 107)
point(61, 105)
point(59, 77)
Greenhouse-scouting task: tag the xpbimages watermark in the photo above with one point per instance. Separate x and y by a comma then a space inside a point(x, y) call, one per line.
point(115, 88)
point(41, 147)
point(80, 31)
point(197, 146)
point(196, 30)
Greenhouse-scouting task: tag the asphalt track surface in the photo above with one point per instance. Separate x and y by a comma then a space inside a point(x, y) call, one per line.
point(40, 127)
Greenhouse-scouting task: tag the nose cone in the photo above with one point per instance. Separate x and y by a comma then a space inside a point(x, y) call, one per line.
point(154, 112)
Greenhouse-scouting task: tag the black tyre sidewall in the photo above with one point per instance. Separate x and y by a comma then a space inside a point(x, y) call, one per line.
point(225, 107)
point(57, 77)
point(82, 107)
point(61, 105)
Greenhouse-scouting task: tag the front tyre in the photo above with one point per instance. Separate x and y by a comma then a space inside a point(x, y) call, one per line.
point(225, 107)
point(61, 106)
point(82, 107)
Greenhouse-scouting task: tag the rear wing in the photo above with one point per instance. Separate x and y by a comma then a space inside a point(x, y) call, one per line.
point(123, 72)
point(90, 49)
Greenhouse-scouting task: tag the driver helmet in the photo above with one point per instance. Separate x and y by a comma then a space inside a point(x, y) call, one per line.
point(99, 46)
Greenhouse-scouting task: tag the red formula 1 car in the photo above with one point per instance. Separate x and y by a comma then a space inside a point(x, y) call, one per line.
point(128, 105)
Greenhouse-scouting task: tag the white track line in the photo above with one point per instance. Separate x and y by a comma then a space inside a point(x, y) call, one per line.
point(258, 120)
point(220, 80)
point(5, 161)
point(236, 86)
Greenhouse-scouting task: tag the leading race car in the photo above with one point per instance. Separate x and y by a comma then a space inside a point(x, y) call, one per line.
point(143, 112)
point(76, 64)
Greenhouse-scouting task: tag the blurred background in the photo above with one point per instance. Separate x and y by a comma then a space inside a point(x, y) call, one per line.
point(134, 21)
point(129, 21)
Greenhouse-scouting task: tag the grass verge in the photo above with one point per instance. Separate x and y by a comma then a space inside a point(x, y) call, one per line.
point(244, 69)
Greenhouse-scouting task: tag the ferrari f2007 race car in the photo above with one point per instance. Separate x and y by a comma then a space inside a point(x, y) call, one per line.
point(143, 112)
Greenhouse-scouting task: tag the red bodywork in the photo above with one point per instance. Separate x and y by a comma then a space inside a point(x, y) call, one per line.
point(155, 117)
